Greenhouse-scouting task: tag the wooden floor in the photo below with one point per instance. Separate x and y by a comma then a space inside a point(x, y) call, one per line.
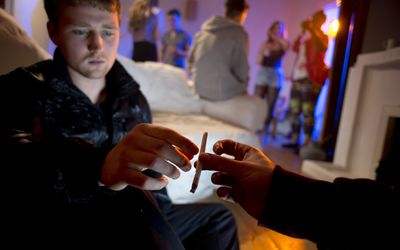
point(286, 158)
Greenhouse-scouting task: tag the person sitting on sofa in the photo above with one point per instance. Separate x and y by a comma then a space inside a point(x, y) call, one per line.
point(81, 152)
point(217, 62)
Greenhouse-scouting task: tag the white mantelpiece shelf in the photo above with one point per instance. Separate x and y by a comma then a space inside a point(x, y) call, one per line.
point(372, 95)
point(324, 170)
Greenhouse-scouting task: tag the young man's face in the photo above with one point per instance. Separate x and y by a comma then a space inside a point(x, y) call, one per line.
point(174, 21)
point(88, 39)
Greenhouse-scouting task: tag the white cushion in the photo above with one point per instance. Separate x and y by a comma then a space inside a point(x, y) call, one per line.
point(244, 111)
point(17, 49)
point(164, 86)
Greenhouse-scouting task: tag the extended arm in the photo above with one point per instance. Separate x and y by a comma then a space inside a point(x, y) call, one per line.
point(348, 213)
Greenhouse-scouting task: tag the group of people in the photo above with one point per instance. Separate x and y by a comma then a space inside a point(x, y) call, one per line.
point(217, 59)
point(309, 75)
point(217, 62)
point(82, 163)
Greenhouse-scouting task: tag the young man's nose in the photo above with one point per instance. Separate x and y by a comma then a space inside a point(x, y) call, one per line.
point(95, 41)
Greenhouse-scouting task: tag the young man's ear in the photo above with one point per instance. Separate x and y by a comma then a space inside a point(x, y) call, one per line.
point(53, 34)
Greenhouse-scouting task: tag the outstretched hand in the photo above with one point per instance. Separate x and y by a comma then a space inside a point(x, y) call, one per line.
point(245, 179)
point(147, 146)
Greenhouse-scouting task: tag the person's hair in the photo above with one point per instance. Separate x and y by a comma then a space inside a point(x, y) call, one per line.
point(280, 23)
point(233, 8)
point(320, 14)
point(174, 12)
point(139, 12)
point(54, 7)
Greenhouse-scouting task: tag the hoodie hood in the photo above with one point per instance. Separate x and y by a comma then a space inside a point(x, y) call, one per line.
point(217, 23)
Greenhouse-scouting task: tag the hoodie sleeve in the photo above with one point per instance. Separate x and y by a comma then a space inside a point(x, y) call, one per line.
point(240, 66)
point(190, 59)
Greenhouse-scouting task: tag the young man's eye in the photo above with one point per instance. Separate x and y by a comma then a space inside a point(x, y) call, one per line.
point(80, 32)
point(108, 33)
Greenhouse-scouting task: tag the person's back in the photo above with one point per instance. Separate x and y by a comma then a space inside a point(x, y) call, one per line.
point(144, 25)
point(218, 60)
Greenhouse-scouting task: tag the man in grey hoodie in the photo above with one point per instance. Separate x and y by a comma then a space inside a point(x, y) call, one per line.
point(217, 62)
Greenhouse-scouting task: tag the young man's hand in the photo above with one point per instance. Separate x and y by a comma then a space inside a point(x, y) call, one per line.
point(147, 146)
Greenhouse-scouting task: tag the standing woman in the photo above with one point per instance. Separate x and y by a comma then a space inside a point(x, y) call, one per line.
point(270, 76)
point(144, 25)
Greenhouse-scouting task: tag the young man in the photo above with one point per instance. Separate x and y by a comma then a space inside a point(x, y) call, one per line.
point(217, 63)
point(81, 153)
point(175, 42)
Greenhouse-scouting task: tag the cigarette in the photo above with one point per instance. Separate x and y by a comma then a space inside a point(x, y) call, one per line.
point(196, 178)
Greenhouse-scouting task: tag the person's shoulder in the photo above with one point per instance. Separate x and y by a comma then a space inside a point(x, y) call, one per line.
point(31, 77)
point(28, 78)
point(39, 69)
point(34, 69)
point(242, 32)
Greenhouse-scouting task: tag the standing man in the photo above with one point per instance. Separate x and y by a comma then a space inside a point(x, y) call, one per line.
point(175, 42)
point(309, 76)
point(217, 62)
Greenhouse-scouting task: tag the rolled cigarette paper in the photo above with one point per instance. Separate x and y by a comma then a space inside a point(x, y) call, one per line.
point(196, 178)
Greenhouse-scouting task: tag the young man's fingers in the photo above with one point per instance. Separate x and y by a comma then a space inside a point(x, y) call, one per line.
point(159, 149)
point(137, 179)
point(155, 163)
point(171, 136)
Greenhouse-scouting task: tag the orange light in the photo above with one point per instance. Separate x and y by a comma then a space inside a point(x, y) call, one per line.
point(333, 28)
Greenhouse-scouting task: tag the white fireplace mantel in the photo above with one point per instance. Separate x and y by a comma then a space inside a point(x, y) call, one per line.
point(372, 96)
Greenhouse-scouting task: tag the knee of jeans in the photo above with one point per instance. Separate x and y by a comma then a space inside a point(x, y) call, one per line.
point(221, 209)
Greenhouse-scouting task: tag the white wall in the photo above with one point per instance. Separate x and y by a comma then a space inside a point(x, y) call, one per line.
point(31, 15)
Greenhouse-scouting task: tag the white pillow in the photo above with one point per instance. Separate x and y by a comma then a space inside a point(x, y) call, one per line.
point(244, 111)
point(164, 86)
point(17, 48)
